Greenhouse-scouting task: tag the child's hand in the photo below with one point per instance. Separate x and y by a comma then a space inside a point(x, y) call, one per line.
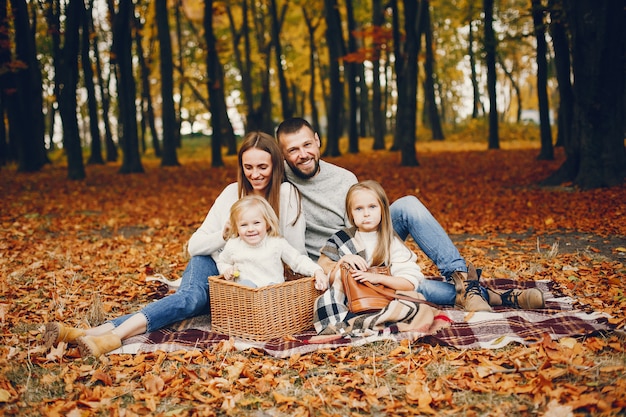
point(363, 276)
point(355, 262)
point(231, 273)
point(321, 280)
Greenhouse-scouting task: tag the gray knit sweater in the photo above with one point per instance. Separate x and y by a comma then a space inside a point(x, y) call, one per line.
point(323, 203)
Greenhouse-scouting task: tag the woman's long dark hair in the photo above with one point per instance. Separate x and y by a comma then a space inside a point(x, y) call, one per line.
point(267, 143)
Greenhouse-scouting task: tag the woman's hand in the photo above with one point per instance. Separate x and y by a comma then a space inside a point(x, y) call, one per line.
point(356, 262)
point(226, 231)
point(321, 280)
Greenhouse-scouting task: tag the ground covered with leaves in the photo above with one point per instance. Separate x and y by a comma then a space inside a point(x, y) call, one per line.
point(79, 252)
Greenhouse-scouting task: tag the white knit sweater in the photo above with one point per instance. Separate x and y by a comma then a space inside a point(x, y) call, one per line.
point(263, 263)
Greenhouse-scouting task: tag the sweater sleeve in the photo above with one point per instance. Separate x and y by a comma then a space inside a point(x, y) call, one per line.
point(224, 259)
point(292, 220)
point(298, 262)
point(404, 263)
point(208, 238)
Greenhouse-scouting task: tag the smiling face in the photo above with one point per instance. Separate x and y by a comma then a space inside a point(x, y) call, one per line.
point(301, 150)
point(251, 225)
point(365, 210)
point(257, 168)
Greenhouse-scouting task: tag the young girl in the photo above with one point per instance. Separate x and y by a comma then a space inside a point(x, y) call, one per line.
point(371, 241)
point(255, 252)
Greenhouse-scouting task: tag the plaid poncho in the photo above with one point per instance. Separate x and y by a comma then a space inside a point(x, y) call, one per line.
point(331, 314)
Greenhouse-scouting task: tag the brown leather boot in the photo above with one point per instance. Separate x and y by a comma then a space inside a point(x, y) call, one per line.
point(56, 332)
point(98, 345)
point(468, 293)
point(529, 299)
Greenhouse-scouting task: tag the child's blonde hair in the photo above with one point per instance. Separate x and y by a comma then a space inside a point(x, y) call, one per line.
point(246, 203)
point(385, 232)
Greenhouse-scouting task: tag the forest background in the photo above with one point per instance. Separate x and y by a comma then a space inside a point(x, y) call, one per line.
point(91, 90)
point(122, 75)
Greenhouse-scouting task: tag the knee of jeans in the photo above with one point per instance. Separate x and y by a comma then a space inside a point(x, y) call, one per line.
point(196, 302)
point(408, 204)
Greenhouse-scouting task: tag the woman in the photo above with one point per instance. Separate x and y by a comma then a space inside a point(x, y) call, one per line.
point(260, 172)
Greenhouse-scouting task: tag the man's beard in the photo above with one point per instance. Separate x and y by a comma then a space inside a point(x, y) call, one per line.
point(298, 173)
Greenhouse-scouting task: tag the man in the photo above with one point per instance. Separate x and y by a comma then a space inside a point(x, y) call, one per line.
point(324, 186)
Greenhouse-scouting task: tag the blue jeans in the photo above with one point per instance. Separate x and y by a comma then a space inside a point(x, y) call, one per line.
point(441, 292)
point(410, 216)
point(191, 299)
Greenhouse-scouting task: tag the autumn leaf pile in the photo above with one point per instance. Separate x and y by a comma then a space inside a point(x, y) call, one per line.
point(79, 252)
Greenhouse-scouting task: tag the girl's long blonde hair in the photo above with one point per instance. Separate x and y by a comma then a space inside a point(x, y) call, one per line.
point(385, 232)
point(246, 203)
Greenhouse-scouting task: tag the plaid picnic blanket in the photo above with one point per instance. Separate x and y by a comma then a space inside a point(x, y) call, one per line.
point(455, 328)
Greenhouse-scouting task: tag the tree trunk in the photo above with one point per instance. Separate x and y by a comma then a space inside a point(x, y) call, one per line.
point(429, 83)
point(365, 109)
point(398, 52)
point(490, 60)
point(378, 115)
point(596, 156)
point(280, 72)
point(122, 44)
point(25, 103)
point(476, 103)
point(95, 156)
point(514, 85)
point(547, 149)
point(243, 63)
point(147, 108)
point(181, 80)
point(311, 28)
point(562, 64)
point(168, 111)
point(351, 69)
point(406, 123)
point(67, 69)
point(111, 148)
point(336, 50)
point(214, 85)
point(5, 85)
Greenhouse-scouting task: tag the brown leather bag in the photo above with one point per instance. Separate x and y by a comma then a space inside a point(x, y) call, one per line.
point(365, 297)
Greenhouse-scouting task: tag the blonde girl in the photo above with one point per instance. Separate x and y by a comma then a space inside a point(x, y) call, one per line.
point(255, 251)
point(371, 241)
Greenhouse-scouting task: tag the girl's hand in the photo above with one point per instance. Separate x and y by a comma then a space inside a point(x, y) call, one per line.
point(363, 276)
point(321, 280)
point(230, 273)
point(355, 261)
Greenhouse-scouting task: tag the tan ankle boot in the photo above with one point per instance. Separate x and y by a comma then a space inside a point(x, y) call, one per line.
point(529, 299)
point(98, 345)
point(56, 332)
point(468, 294)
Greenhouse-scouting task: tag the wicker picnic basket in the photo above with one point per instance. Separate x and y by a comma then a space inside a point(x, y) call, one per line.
point(265, 313)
